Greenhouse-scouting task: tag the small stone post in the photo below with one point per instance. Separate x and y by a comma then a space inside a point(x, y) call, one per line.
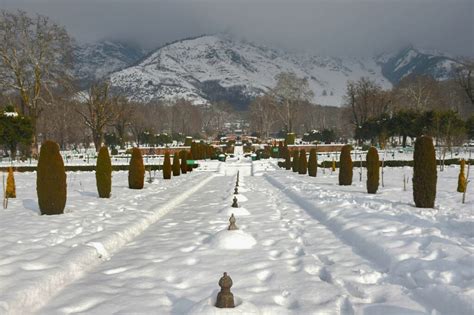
point(234, 203)
point(236, 191)
point(225, 298)
point(232, 225)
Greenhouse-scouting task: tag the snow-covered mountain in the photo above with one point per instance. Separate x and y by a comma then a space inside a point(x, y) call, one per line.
point(96, 60)
point(218, 67)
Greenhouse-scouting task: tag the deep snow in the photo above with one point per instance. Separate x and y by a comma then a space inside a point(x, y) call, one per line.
point(318, 248)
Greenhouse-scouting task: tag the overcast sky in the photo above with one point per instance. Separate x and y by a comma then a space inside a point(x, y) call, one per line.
point(337, 27)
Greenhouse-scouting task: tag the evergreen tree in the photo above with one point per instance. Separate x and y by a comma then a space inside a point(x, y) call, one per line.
point(296, 158)
point(184, 157)
point(345, 169)
point(103, 173)
point(176, 165)
point(167, 166)
point(51, 180)
point(136, 171)
point(303, 163)
point(313, 163)
point(424, 173)
point(287, 159)
point(373, 167)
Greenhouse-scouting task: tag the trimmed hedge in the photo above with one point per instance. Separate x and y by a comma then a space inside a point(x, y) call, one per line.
point(424, 173)
point(103, 174)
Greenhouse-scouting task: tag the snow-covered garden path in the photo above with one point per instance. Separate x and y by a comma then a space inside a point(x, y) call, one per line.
point(297, 266)
point(305, 246)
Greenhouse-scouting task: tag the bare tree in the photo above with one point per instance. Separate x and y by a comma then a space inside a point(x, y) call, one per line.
point(263, 115)
point(35, 57)
point(98, 111)
point(464, 77)
point(124, 113)
point(289, 92)
point(365, 99)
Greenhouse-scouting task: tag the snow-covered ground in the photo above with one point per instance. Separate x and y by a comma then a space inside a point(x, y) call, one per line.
point(304, 246)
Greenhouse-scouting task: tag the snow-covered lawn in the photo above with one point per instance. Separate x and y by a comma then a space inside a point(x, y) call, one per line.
point(305, 246)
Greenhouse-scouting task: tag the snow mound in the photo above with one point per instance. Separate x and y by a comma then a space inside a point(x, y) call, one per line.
point(236, 239)
point(207, 307)
point(236, 211)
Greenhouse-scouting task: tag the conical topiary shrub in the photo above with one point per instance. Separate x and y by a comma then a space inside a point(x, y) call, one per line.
point(424, 173)
point(303, 163)
point(51, 180)
point(313, 163)
point(167, 166)
point(190, 157)
point(287, 160)
point(184, 167)
point(296, 161)
point(176, 165)
point(136, 170)
point(373, 167)
point(10, 191)
point(103, 173)
point(345, 169)
point(461, 178)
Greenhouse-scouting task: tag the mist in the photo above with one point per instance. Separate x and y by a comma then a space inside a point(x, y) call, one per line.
point(335, 28)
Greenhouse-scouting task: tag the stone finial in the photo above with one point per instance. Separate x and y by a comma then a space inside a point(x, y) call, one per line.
point(232, 225)
point(234, 203)
point(236, 191)
point(225, 298)
point(237, 183)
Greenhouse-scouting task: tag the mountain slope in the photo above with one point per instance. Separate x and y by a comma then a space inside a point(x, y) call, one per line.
point(212, 68)
point(96, 60)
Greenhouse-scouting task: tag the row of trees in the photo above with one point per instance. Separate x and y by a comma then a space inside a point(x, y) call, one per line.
point(446, 126)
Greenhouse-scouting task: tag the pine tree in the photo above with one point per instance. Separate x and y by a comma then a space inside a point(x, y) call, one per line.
point(103, 173)
point(373, 168)
point(10, 191)
point(462, 178)
point(136, 171)
point(51, 180)
point(167, 166)
point(313, 163)
point(303, 163)
point(184, 157)
point(296, 158)
point(424, 173)
point(345, 169)
point(176, 165)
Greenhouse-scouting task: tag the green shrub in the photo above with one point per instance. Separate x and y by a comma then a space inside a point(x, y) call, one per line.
point(373, 168)
point(345, 170)
point(136, 170)
point(424, 173)
point(167, 166)
point(290, 138)
point(103, 173)
point(184, 156)
point(313, 163)
point(176, 165)
point(189, 157)
point(303, 163)
point(295, 162)
point(51, 180)
point(287, 159)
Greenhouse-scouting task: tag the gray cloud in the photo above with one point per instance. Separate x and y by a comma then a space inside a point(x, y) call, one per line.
point(338, 27)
